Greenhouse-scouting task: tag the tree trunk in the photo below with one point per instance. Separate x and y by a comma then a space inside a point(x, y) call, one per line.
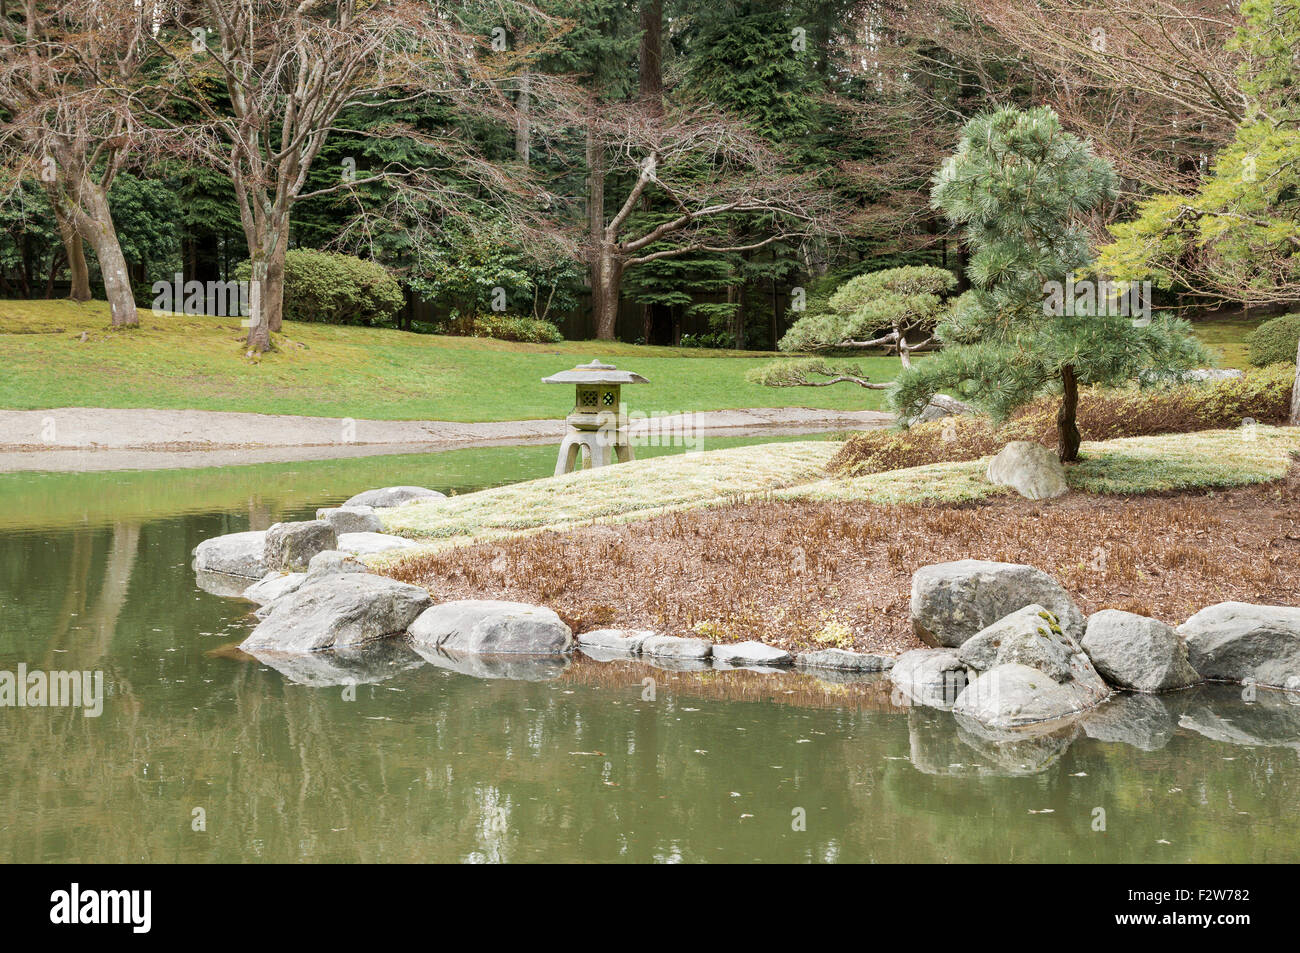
point(1067, 428)
point(651, 72)
point(1295, 391)
point(266, 291)
point(75, 252)
point(604, 264)
point(606, 279)
point(524, 125)
point(94, 222)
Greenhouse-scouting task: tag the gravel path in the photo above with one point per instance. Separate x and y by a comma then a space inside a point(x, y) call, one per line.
point(89, 438)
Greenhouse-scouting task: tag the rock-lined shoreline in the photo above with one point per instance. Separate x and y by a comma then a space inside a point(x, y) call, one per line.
point(1008, 648)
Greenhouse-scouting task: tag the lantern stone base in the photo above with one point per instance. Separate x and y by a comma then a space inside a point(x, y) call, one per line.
point(601, 450)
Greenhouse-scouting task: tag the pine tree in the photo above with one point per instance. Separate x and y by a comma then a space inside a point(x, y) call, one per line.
point(1019, 184)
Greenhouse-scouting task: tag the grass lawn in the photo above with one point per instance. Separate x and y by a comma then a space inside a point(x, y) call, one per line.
point(1227, 337)
point(183, 362)
point(795, 471)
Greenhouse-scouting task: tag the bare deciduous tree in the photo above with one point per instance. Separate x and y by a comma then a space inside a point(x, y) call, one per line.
point(710, 168)
point(289, 69)
point(66, 74)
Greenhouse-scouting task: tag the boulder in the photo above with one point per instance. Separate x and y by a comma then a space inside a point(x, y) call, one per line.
point(621, 641)
point(393, 496)
point(492, 627)
point(337, 611)
point(1031, 636)
point(273, 586)
point(1132, 651)
point(1032, 470)
point(940, 406)
point(1238, 642)
point(840, 660)
point(675, 647)
point(368, 544)
point(334, 561)
point(1199, 375)
point(1013, 695)
point(237, 554)
point(932, 677)
point(290, 546)
point(750, 653)
point(953, 601)
point(221, 583)
point(351, 519)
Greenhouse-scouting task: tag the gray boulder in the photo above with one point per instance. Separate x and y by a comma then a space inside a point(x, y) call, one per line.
point(393, 496)
point(1032, 470)
point(953, 601)
point(236, 554)
point(334, 561)
point(492, 627)
point(370, 544)
point(1031, 636)
point(338, 611)
point(1238, 642)
point(840, 660)
point(273, 586)
point(938, 407)
point(1133, 651)
point(675, 647)
point(351, 519)
point(931, 677)
point(1014, 695)
point(750, 653)
point(221, 584)
point(290, 546)
point(620, 641)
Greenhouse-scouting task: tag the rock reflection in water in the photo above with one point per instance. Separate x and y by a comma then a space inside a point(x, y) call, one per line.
point(221, 583)
point(1146, 722)
point(951, 746)
point(524, 668)
point(1223, 713)
point(360, 665)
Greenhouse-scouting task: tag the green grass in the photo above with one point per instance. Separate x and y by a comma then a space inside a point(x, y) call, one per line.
point(640, 488)
point(1227, 338)
point(795, 471)
point(182, 362)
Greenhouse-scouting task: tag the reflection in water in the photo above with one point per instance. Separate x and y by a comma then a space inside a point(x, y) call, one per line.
point(384, 755)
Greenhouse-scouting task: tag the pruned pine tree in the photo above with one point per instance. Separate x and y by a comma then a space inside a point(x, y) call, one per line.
point(1019, 186)
point(896, 309)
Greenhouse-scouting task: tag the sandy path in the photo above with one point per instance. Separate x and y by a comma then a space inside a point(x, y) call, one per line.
point(88, 438)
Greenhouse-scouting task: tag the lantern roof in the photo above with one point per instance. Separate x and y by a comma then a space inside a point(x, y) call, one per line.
point(595, 373)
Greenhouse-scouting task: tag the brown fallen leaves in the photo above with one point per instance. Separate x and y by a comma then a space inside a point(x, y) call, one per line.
point(809, 575)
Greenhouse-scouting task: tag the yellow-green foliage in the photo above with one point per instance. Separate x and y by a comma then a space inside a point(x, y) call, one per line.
point(795, 471)
point(1260, 395)
point(643, 487)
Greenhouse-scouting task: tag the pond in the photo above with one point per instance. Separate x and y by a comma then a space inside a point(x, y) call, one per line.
point(594, 761)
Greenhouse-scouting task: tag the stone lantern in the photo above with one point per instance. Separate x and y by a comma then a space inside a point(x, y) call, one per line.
point(597, 421)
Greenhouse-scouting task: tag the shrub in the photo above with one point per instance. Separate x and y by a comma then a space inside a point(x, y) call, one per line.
point(332, 288)
point(1261, 395)
point(1275, 341)
point(503, 327)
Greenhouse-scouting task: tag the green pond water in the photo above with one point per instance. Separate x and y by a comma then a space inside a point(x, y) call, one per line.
point(584, 761)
